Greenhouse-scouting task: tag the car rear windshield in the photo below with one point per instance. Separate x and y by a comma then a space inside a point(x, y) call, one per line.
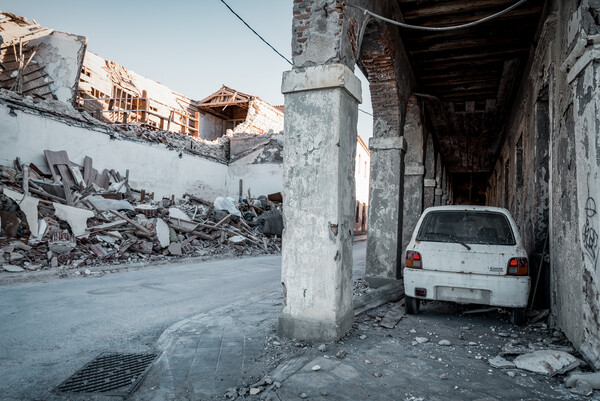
point(465, 226)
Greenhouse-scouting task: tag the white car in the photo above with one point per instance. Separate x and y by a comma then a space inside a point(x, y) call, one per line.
point(467, 254)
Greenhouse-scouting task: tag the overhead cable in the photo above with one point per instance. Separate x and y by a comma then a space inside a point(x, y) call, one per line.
point(268, 44)
point(432, 28)
point(256, 33)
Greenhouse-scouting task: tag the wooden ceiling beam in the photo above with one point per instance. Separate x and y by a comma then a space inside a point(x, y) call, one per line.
point(475, 45)
point(433, 9)
point(459, 19)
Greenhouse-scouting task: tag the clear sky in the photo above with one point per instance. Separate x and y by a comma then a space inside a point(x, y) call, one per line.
point(193, 47)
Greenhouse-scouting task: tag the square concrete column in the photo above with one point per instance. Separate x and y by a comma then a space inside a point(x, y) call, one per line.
point(321, 113)
point(413, 201)
point(386, 198)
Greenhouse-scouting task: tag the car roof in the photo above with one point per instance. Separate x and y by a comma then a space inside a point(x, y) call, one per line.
point(467, 207)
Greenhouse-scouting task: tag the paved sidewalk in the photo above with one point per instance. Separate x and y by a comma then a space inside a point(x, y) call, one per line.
point(223, 354)
point(205, 355)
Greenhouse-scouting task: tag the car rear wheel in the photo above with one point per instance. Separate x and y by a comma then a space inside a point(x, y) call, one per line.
point(411, 305)
point(518, 316)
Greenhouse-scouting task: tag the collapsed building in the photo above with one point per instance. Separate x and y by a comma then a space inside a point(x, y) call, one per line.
point(54, 89)
point(501, 112)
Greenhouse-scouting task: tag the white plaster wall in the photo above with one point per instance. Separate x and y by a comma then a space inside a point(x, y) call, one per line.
point(152, 166)
point(211, 126)
point(262, 179)
point(61, 53)
point(361, 173)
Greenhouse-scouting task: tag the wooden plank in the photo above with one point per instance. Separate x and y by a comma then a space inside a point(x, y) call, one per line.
point(133, 223)
point(379, 296)
point(89, 173)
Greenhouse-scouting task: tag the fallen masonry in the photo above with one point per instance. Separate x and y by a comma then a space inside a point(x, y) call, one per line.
point(76, 218)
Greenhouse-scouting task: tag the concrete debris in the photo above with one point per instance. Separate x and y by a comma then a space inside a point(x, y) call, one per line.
point(71, 219)
point(104, 204)
point(391, 319)
point(341, 354)
point(175, 249)
point(547, 362)
point(445, 343)
point(582, 388)
point(75, 217)
point(162, 233)
point(500, 363)
point(29, 206)
point(228, 205)
point(593, 379)
point(421, 340)
point(316, 368)
point(322, 348)
point(237, 239)
point(13, 268)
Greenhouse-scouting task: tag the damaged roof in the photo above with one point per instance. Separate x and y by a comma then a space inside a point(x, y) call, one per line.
point(18, 71)
point(225, 102)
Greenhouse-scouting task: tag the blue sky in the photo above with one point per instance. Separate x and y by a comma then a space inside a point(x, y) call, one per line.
point(193, 47)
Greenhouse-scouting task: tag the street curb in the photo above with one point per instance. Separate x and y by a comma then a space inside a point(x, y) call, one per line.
point(374, 299)
point(54, 273)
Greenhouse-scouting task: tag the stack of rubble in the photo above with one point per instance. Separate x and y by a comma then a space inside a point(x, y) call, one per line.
point(77, 216)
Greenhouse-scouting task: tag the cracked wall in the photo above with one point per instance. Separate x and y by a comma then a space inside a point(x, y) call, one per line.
point(548, 171)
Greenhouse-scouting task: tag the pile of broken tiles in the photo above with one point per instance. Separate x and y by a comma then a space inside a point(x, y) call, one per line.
point(76, 217)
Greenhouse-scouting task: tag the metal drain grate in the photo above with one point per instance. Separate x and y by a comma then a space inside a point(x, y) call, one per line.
point(115, 374)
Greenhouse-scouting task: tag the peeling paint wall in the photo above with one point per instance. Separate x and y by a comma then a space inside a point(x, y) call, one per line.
point(584, 80)
point(548, 172)
point(61, 54)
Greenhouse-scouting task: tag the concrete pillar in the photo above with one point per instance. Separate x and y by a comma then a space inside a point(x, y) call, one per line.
point(438, 180)
point(445, 191)
point(429, 181)
point(384, 239)
point(414, 170)
point(321, 113)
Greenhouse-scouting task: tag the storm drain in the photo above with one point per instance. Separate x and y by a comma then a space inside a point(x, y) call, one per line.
point(114, 374)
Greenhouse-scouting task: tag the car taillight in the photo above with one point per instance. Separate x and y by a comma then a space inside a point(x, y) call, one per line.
point(413, 259)
point(518, 267)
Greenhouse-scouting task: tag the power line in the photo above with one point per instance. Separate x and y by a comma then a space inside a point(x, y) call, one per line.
point(256, 33)
point(268, 44)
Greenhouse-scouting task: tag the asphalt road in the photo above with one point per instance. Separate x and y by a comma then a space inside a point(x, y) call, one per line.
point(50, 330)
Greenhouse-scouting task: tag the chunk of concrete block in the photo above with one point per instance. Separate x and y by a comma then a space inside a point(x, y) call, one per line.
point(500, 363)
point(547, 362)
point(75, 217)
point(175, 248)
point(237, 239)
point(13, 268)
point(29, 207)
point(163, 233)
point(105, 204)
point(176, 213)
point(593, 379)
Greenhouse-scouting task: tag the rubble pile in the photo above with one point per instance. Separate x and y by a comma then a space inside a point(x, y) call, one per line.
point(217, 149)
point(77, 217)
